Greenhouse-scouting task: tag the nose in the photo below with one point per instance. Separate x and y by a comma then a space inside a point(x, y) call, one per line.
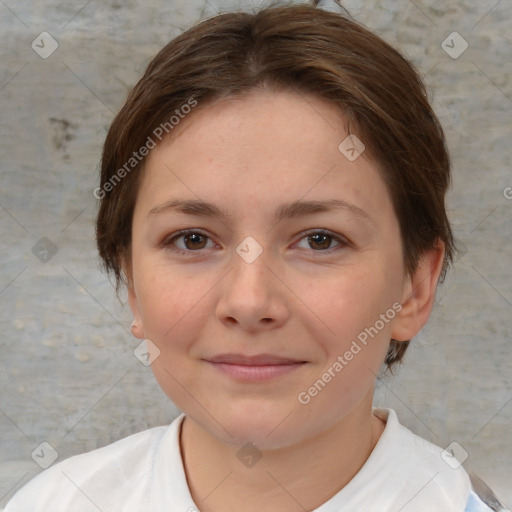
point(252, 297)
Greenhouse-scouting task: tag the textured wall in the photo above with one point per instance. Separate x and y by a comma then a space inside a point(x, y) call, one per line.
point(67, 372)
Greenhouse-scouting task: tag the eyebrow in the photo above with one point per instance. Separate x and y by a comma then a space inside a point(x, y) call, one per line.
point(290, 210)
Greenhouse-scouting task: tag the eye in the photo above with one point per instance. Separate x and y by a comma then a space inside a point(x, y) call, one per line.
point(188, 240)
point(321, 240)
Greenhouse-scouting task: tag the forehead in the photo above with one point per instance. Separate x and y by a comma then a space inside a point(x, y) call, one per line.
point(262, 148)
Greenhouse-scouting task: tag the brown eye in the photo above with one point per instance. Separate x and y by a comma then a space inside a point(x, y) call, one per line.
point(194, 241)
point(320, 241)
point(188, 241)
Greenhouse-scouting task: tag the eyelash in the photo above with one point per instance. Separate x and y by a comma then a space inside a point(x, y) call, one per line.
point(342, 242)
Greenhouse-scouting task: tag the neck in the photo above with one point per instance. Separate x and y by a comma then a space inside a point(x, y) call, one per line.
point(303, 475)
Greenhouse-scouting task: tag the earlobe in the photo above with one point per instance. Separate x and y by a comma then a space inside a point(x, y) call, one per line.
point(419, 294)
point(137, 328)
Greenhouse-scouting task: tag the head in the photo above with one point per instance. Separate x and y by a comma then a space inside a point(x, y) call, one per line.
point(253, 113)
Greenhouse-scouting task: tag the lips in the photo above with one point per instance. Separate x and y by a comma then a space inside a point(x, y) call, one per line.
point(257, 360)
point(257, 368)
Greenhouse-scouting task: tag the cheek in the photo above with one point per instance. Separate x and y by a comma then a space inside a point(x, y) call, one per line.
point(172, 304)
point(174, 312)
point(350, 299)
point(351, 304)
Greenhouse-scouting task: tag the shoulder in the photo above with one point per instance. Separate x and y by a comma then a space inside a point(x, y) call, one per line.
point(434, 479)
point(446, 484)
point(93, 480)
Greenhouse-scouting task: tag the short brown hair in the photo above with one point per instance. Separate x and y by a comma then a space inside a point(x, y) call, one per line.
point(306, 49)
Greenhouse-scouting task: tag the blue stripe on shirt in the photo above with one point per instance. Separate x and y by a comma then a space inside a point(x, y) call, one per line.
point(475, 504)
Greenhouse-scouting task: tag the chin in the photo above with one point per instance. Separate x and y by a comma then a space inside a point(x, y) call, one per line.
point(267, 427)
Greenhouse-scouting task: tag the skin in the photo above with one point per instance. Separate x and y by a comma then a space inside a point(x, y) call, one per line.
point(301, 298)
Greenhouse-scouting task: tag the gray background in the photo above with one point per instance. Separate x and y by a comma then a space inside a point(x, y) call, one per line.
point(67, 371)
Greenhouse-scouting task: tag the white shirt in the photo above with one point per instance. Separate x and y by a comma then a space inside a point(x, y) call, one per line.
point(144, 472)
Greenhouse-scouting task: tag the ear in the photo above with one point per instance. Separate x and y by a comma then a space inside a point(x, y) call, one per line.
point(137, 327)
point(418, 294)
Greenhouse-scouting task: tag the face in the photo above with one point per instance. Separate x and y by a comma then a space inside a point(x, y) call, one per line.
point(291, 252)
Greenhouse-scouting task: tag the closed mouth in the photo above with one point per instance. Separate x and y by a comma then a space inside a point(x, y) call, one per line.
point(255, 360)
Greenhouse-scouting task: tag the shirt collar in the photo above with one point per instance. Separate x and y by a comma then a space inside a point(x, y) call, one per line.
point(404, 472)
